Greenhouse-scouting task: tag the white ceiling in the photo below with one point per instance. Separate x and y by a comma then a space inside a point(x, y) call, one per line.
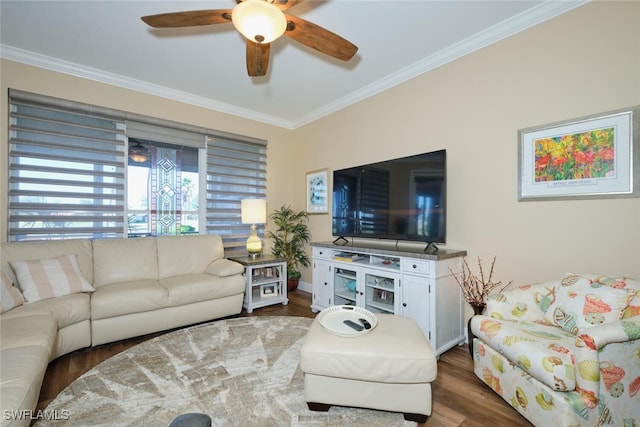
point(105, 40)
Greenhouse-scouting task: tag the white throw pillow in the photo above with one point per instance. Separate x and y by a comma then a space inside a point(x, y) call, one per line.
point(48, 278)
point(10, 297)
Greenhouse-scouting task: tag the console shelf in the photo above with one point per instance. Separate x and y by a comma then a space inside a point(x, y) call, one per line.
point(388, 280)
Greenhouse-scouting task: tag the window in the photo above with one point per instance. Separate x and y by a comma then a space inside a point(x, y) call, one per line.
point(236, 170)
point(66, 172)
point(72, 174)
point(162, 189)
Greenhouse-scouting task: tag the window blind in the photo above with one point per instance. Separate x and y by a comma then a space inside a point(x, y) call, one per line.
point(66, 170)
point(186, 135)
point(236, 170)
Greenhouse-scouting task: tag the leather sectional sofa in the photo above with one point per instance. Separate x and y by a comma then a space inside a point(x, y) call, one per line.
point(133, 287)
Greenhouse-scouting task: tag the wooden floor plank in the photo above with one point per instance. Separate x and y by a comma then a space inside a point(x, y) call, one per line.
point(459, 397)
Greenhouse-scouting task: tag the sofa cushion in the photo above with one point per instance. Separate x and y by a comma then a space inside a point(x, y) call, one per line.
point(199, 287)
point(119, 299)
point(10, 296)
point(584, 301)
point(66, 310)
point(545, 352)
point(35, 330)
point(182, 255)
point(26, 345)
point(49, 249)
point(48, 278)
point(124, 260)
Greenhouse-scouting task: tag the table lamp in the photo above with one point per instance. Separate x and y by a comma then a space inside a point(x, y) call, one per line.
point(254, 211)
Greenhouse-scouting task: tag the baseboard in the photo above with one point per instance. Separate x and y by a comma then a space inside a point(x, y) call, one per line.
point(305, 286)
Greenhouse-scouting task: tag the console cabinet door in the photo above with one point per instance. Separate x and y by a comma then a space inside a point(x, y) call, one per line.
point(416, 300)
point(322, 285)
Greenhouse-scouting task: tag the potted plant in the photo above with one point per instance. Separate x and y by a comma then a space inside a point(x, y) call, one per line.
point(476, 288)
point(289, 239)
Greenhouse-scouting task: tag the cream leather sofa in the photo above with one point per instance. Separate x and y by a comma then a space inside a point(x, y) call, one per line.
point(142, 285)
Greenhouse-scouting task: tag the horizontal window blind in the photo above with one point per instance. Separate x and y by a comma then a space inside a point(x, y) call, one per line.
point(236, 170)
point(66, 170)
point(162, 133)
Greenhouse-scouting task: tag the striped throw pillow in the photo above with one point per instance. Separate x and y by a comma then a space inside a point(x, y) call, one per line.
point(48, 278)
point(10, 297)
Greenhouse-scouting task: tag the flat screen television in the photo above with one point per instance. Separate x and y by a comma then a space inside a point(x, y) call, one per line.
point(399, 199)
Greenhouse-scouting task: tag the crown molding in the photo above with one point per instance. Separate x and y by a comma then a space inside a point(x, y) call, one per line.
point(532, 17)
point(65, 67)
point(541, 13)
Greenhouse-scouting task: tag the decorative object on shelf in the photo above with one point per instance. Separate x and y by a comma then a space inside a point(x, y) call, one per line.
point(317, 192)
point(289, 239)
point(268, 290)
point(254, 211)
point(476, 288)
point(584, 158)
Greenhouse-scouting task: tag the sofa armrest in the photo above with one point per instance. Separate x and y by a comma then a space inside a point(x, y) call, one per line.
point(620, 331)
point(224, 267)
point(526, 302)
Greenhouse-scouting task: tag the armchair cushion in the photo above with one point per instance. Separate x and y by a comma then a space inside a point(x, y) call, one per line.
point(524, 303)
point(544, 352)
point(584, 301)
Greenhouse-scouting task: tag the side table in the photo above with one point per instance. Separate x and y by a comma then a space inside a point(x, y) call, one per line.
point(266, 281)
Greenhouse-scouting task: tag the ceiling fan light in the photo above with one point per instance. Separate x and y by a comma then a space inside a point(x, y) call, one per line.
point(259, 20)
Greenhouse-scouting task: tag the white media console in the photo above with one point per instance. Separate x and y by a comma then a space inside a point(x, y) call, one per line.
point(402, 282)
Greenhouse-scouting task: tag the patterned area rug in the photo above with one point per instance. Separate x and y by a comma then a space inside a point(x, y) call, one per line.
point(241, 372)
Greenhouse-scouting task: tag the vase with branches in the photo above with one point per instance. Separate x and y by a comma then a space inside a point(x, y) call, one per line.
point(476, 287)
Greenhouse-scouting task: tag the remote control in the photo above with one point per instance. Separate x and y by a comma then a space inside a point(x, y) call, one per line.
point(366, 323)
point(353, 325)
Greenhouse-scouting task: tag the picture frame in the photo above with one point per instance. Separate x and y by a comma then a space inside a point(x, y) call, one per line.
point(590, 157)
point(317, 183)
point(268, 290)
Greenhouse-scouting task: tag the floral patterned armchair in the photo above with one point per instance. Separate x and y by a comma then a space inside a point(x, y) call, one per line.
point(564, 353)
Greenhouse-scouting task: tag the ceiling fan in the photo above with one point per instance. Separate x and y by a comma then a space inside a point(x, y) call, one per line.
point(261, 22)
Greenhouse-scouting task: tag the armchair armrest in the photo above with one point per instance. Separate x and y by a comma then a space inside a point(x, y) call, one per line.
point(620, 331)
point(526, 302)
point(590, 354)
point(223, 267)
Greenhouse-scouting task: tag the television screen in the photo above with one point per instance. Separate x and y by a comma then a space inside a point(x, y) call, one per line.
point(402, 199)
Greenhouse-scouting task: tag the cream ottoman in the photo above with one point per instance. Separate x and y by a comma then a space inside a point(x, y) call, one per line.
point(390, 368)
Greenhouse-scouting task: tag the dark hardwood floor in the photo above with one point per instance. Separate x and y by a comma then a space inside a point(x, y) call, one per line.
point(459, 397)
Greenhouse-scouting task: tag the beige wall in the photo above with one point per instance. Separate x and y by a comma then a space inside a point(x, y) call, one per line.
point(17, 76)
point(584, 62)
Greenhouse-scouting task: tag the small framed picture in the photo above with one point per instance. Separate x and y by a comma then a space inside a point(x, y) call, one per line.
point(317, 191)
point(268, 290)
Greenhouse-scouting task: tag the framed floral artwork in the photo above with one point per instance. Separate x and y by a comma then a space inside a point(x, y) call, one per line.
point(317, 191)
point(584, 158)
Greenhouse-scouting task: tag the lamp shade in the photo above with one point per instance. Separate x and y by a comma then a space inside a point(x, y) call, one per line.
point(259, 21)
point(254, 211)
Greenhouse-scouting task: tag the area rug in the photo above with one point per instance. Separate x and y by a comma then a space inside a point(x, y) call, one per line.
point(241, 372)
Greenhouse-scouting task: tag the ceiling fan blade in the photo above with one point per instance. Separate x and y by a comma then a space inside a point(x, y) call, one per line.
point(188, 19)
point(257, 58)
point(320, 39)
point(286, 4)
